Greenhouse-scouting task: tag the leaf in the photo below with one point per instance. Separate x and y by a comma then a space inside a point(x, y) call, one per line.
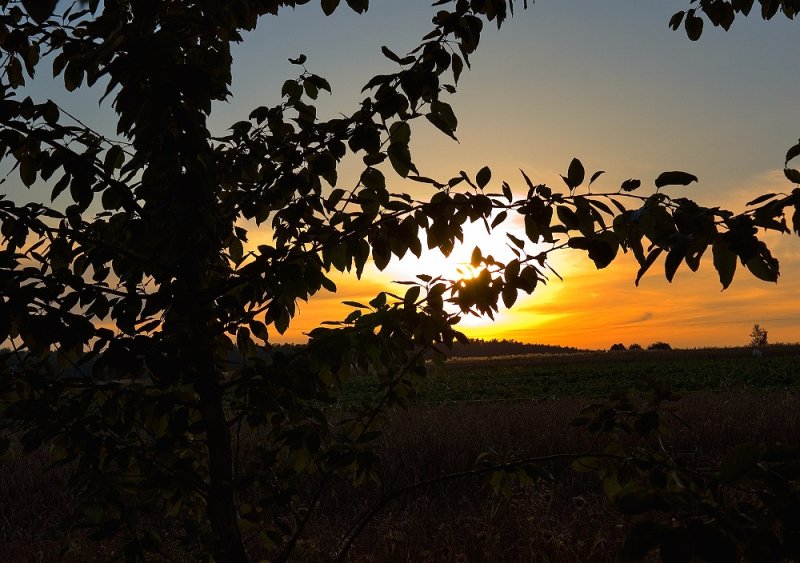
point(302, 58)
point(389, 54)
point(509, 294)
point(358, 6)
point(588, 463)
point(630, 185)
point(236, 250)
point(796, 220)
point(675, 178)
point(507, 192)
point(693, 26)
point(411, 296)
point(381, 253)
point(50, 112)
point(743, 6)
point(373, 178)
point(73, 76)
point(595, 176)
point(27, 171)
point(458, 67)
point(760, 199)
point(400, 157)
point(114, 159)
point(676, 19)
point(724, 262)
point(792, 175)
point(740, 462)
point(328, 7)
point(673, 260)
point(399, 132)
point(39, 10)
point(532, 230)
point(442, 116)
point(763, 267)
point(378, 301)
point(14, 73)
point(793, 152)
point(311, 89)
point(567, 217)
point(319, 82)
point(499, 219)
point(601, 250)
point(575, 174)
point(291, 89)
point(512, 270)
point(302, 459)
point(500, 483)
point(651, 258)
point(519, 243)
point(113, 197)
point(259, 329)
point(483, 177)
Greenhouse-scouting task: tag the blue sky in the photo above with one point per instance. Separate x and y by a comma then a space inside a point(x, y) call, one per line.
point(606, 81)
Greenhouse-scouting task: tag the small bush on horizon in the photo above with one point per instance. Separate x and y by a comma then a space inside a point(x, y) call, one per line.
point(659, 346)
point(758, 337)
point(635, 347)
point(617, 348)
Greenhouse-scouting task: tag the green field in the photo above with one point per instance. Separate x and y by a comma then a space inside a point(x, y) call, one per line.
point(590, 374)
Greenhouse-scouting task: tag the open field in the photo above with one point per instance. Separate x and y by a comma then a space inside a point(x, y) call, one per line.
point(733, 398)
point(595, 374)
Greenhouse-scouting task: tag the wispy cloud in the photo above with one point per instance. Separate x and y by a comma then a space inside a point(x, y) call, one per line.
point(644, 317)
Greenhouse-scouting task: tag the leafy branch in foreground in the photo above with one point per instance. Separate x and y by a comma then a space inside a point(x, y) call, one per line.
point(742, 508)
point(139, 315)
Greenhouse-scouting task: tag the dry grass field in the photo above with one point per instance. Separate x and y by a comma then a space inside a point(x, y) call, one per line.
point(563, 519)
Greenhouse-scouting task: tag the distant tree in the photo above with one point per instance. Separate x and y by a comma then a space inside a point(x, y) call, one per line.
point(135, 271)
point(477, 347)
point(635, 347)
point(617, 348)
point(758, 337)
point(659, 346)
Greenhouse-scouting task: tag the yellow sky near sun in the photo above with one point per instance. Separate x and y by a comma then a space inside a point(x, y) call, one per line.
point(594, 308)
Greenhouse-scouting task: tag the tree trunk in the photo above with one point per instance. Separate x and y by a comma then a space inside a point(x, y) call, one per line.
point(222, 512)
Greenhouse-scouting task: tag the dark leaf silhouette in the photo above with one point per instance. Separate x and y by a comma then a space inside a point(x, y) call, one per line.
point(675, 178)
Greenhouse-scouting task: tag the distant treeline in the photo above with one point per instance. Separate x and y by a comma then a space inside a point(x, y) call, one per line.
point(475, 348)
point(478, 348)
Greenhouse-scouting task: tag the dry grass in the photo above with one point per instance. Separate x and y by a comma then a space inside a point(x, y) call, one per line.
point(561, 520)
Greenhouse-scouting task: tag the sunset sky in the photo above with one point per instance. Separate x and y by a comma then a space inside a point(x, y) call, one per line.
point(607, 82)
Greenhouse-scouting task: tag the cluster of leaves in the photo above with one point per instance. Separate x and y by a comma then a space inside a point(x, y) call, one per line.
point(139, 315)
point(125, 307)
point(722, 13)
point(747, 506)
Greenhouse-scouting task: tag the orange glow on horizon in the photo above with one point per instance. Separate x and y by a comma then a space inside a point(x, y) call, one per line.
point(595, 309)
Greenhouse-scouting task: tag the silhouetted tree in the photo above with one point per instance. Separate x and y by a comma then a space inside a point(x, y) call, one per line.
point(140, 279)
point(758, 337)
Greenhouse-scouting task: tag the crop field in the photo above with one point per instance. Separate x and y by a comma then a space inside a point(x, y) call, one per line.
point(596, 374)
point(519, 405)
